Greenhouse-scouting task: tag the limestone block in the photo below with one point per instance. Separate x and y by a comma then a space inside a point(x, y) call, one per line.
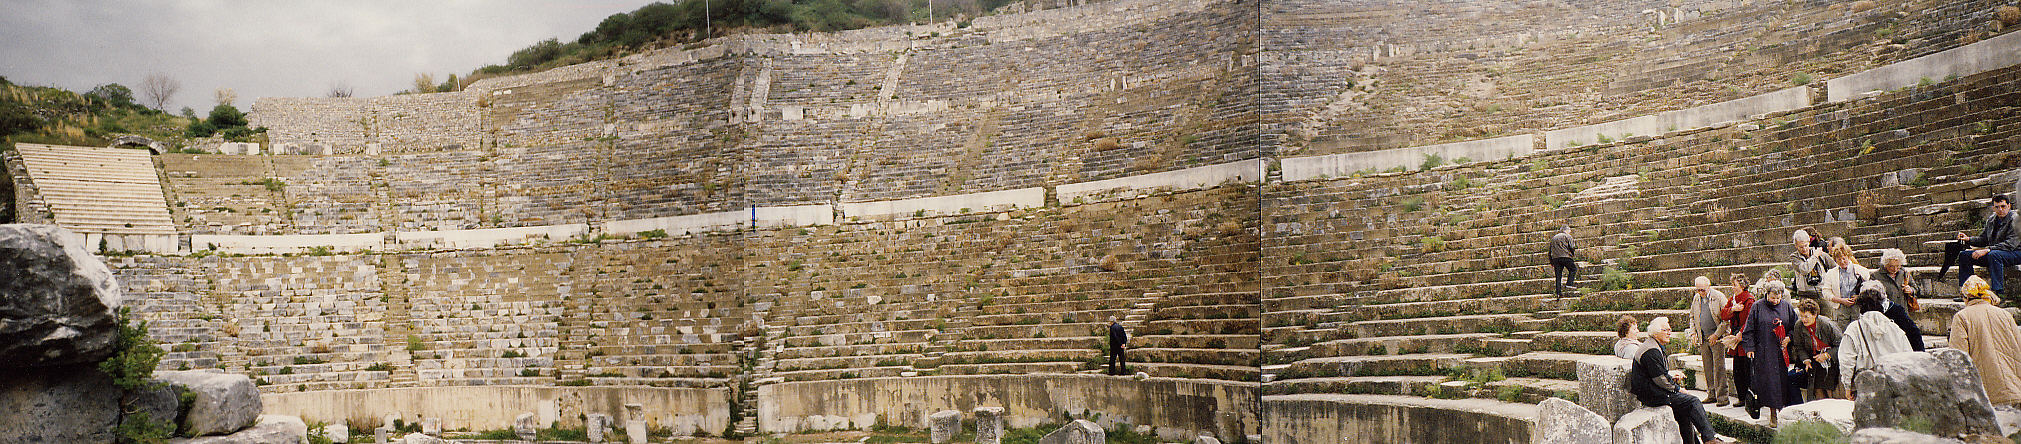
point(635, 423)
point(944, 425)
point(1940, 386)
point(57, 301)
point(526, 425)
point(160, 403)
point(431, 426)
point(1204, 439)
point(419, 438)
point(596, 425)
point(1563, 422)
point(57, 404)
point(271, 429)
point(1601, 387)
point(1081, 431)
point(1646, 425)
point(380, 434)
point(988, 425)
point(1837, 412)
point(1882, 435)
point(338, 432)
point(224, 402)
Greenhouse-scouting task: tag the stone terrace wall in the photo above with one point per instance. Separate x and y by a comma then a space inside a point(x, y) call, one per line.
point(401, 123)
point(1360, 76)
point(1024, 291)
point(662, 312)
point(1100, 91)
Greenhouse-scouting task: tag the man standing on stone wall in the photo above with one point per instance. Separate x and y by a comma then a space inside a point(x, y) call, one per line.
point(1564, 270)
point(1117, 338)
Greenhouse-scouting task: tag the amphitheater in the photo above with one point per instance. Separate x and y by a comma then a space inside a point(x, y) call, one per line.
point(1310, 214)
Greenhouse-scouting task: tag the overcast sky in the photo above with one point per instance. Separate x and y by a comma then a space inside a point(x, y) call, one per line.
point(275, 48)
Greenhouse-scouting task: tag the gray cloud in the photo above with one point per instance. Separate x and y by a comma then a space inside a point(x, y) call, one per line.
point(275, 48)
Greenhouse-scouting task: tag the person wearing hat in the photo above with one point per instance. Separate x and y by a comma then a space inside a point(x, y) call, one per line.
point(1987, 333)
point(1900, 294)
point(1650, 381)
point(1765, 336)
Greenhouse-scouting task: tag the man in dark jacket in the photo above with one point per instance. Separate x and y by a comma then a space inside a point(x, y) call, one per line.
point(1117, 337)
point(1649, 380)
point(1563, 268)
point(1999, 244)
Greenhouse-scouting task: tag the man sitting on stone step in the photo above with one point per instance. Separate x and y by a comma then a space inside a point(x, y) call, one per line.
point(1999, 242)
point(1650, 381)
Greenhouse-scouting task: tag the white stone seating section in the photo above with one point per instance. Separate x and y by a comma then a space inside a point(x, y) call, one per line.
point(99, 190)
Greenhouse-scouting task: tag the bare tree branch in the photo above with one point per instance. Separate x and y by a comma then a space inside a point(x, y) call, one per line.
point(341, 89)
point(159, 88)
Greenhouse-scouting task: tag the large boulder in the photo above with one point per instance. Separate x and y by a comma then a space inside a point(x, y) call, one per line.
point(1080, 431)
point(271, 429)
point(57, 405)
point(1880, 435)
point(1602, 388)
point(57, 302)
point(1563, 422)
point(1647, 425)
point(1837, 412)
point(1939, 389)
point(160, 402)
point(224, 402)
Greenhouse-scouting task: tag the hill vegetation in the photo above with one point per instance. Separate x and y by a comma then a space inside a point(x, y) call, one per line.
point(40, 114)
point(661, 25)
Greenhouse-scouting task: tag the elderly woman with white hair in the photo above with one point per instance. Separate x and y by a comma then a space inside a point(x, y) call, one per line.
point(1810, 261)
point(1901, 293)
point(1765, 337)
point(1870, 337)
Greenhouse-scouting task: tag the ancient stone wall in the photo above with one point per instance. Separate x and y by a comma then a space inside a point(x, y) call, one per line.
point(1349, 76)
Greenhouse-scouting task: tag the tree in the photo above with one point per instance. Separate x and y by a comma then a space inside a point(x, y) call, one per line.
point(113, 94)
point(341, 89)
point(159, 88)
point(424, 83)
point(227, 116)
point(226, 96)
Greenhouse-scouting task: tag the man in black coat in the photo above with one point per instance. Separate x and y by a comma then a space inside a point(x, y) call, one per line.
point(1117, 337)
point(1999, 241)
point(1649, 380)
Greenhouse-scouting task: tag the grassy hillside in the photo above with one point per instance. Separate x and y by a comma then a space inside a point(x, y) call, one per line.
point(40, 114)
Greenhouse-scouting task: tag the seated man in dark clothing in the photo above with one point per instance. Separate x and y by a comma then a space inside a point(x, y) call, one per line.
point(2000, 246)
point(1649, 380)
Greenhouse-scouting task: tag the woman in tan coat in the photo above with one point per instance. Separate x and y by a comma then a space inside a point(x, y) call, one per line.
point(1988, 334)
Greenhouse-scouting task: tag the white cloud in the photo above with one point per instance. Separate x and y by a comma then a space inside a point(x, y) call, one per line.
point(275, 48)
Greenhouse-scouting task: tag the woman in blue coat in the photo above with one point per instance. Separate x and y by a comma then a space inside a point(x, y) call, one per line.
point(1765, 336)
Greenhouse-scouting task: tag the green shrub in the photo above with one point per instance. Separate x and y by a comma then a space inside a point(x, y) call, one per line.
point(134, 355)
point(414, 343)
point(1432, 161)
point(1808, 432)
point(1613, 278)
point(200, 129)
point(653, 234)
